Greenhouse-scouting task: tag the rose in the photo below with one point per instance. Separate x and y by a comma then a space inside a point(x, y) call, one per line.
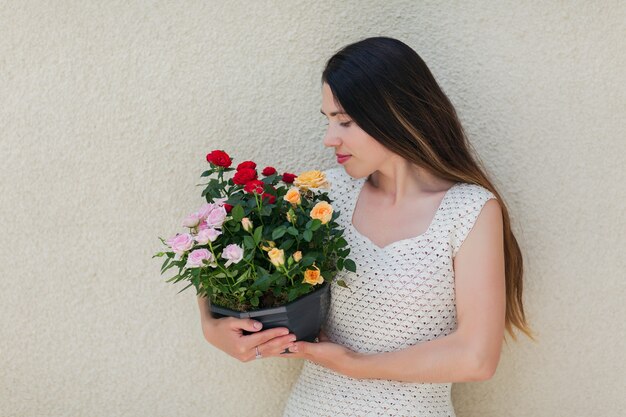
point(192, 220)
point(219, 158)
point(228, 207)
point(277, 256)
point(311, 179)
point(182, 242)
point(267, 171)
point(246, 164)
point(205, 235)
point(220, 201)
point(288, 178)
point(322, 211)
point(269, 197)
point(313, 276)
point(247, 224)
point(233, 253)
point(268, 245)
point(206, 209)
point(293, 196)
point(244, 175)
point(197, 257)
point(254, 186)
point(216, 217)
point(297, 255)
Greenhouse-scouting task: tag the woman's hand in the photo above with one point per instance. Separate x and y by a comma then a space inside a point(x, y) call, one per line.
point(226, 334)
point(325, 353)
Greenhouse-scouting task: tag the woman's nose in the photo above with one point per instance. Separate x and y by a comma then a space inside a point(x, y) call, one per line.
point(331, 139)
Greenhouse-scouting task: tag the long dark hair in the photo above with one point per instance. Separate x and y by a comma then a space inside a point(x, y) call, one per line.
point(389, 92)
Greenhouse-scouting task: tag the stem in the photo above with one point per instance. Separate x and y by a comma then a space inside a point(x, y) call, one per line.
point(220, 267)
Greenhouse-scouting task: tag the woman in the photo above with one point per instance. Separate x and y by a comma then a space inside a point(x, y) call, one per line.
point(439, 272)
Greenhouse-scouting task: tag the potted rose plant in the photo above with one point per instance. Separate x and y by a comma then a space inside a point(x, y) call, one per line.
point(266, 248)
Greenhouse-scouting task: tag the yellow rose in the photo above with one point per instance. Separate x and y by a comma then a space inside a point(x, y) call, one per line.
point(313, 276)
point(277, 256)
point(297, 256)
point(293, 196)
point(311, 179)
point(270, 244)
point(322, 211)
point(247, 224)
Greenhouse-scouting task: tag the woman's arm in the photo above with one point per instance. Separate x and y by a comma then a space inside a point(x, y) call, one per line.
point(472, 351)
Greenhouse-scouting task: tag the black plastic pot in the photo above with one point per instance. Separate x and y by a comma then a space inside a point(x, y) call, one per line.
point(303, 316)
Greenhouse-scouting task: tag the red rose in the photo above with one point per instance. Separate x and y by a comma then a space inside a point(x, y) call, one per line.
point(246, 164)
point(219, 158)
point(288, 178)
point(254, 186)
point(267, 171)
point(228, 207)
point(244, 175)
point(271, 198)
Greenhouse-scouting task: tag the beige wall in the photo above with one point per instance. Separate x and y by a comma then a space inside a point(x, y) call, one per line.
point(107, 111)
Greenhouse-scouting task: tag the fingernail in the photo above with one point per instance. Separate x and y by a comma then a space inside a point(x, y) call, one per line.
point(257, 325)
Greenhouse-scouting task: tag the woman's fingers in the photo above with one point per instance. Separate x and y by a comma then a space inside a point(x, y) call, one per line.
point(275, 346)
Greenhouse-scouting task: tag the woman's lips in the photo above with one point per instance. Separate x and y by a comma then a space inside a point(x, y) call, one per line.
point(342, 158)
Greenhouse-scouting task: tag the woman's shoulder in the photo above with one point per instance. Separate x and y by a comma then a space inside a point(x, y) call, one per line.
point(468, 193)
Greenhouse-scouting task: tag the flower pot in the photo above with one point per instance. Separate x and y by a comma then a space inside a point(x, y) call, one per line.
point(303, 316)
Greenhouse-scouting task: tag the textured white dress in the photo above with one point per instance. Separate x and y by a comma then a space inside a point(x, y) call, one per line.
point(402, 294)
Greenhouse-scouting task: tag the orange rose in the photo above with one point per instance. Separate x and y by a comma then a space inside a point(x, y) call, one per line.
point(293, 196)
point(313, 276)
point(322, 211)
point(311, 179)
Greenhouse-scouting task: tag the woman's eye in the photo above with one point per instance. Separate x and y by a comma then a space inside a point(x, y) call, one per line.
point(346, 124)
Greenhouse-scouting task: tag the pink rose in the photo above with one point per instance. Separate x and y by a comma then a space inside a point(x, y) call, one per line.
point(181, 242)
point(220, 201)
point(192, 220)
point(206, 235)
point(233, 253)
point(203, 225)
point(197, 257)
point(205, 210)
point(216, 217)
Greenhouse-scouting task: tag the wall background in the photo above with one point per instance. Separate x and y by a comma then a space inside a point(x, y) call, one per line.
point(108, 109)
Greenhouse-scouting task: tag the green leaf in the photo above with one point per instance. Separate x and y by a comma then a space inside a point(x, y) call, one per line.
point(185, 288)
point(165, 264)
point(315, 224)
point(343, 284)
point(237, 213)
point(349, 265)
point(207, 173)
point(292, 231)
point(293, 294)
point(340, 264)
point(286, 244)
point(248, 242)
point(308, 235)
point(278, 232)
point(254, 301)
point(257, 234)
point(307, 260)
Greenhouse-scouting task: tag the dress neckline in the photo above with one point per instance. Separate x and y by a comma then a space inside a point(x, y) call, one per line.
point(357, 188)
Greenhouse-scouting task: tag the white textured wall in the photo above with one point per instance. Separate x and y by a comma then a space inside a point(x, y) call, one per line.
point(108, 109)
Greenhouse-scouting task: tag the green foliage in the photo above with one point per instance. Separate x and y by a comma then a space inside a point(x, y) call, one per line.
point(254, 282)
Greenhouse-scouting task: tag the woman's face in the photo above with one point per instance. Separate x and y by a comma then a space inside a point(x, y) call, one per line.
point(366, 155)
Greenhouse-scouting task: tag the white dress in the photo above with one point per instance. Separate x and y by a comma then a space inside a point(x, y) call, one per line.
point(402, 294)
